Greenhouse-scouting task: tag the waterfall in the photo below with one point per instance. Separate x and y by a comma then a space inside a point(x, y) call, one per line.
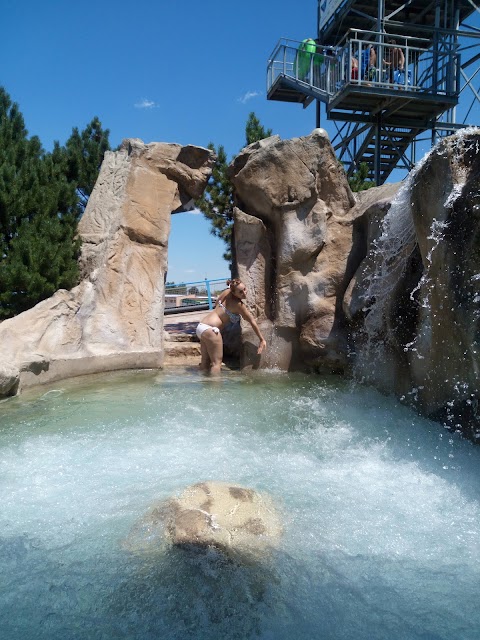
point(386, 265)
point(415, 331)
point(397, 240)
point(391, 251)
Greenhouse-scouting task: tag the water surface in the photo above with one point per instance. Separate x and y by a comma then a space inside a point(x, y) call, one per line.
point(380, 509)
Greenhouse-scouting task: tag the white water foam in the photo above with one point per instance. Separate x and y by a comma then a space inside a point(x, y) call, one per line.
point(380, 507)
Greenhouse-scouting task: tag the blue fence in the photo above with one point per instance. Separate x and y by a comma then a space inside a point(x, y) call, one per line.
point(193, 296)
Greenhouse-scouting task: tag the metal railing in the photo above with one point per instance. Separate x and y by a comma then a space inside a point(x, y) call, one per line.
point(289, 60)
point(425, 70)
point(193, 296)
point(421, 70)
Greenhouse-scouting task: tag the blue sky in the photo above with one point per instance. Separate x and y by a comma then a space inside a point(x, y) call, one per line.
point(187, 72)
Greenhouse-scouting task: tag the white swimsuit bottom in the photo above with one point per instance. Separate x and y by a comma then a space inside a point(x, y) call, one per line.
point(201, 327)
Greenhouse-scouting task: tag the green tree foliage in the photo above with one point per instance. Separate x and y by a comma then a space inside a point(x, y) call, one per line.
point(41, 196)
point(84, 153)
point(254, 131)
point(41, 259)
point(359, 182)
point(217, 202)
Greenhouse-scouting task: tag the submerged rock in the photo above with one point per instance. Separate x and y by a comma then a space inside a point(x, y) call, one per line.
point(227, 516)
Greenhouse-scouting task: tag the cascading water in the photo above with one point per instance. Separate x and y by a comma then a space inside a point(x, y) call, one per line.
point(390, 253)
point(380, 512)
point(399, 313)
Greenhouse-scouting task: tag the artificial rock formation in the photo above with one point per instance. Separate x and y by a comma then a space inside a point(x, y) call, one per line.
point(229, 517)
point(114, 318)
point(294, 227)
point(445, 358)
point(387, 284)
point(414, 302)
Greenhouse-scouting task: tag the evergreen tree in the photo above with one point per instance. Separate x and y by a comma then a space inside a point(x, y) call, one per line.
point(84, 153)
point(38, 209)
point(217, 202)
point(254, 131)
point(359, 182)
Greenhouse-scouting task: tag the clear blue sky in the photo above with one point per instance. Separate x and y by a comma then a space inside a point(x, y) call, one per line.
point(171, 71)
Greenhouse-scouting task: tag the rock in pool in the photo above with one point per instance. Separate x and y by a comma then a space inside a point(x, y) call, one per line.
point(227, 516)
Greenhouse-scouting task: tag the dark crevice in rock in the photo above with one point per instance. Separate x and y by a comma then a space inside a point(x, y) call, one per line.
point(140, 238)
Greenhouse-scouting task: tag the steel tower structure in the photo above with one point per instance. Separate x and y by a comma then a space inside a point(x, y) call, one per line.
point(381, 108)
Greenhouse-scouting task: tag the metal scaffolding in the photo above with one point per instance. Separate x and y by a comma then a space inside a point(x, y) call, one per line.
point(388, 75)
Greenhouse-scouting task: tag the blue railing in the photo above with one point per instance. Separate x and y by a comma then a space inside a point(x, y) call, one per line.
point(193, 296)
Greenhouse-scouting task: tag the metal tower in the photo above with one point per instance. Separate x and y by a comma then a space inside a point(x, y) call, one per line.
point(387, 73)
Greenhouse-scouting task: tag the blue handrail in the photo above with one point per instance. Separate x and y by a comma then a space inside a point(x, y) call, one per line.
point(199, 294)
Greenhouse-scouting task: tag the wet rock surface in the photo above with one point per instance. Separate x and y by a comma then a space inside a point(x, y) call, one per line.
point(414, 301)
point(227, 516)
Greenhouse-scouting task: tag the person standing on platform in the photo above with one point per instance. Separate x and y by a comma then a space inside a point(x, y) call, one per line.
point(369, 62)
point(394, 61)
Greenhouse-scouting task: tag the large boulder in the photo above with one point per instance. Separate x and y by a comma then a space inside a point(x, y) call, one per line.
point(234, 519)
point(114, 318)
point(293, 246)
point(444, 358)
point(415, 298)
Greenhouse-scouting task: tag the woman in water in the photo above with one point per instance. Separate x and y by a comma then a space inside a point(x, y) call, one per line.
point(229, 308)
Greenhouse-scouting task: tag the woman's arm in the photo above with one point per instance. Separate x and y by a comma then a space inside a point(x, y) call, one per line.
point(222, 297)
point(245, 313)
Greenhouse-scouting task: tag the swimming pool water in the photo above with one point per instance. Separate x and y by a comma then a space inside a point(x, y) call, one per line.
point(380, 510)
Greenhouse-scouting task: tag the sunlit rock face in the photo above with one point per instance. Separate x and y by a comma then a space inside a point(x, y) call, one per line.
point(420, 288)
point(234, 519)
point(294, 226)
point(114, 318)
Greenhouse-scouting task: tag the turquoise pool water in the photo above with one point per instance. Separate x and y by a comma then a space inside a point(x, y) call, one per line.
point(380, 509)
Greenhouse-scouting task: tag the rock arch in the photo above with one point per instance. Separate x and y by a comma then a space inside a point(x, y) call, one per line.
point(114, 318)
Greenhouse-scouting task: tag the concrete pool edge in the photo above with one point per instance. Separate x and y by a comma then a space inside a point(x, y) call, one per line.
point(65, 368)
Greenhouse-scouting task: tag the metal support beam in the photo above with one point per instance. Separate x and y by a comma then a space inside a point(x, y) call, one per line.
point(375, 120)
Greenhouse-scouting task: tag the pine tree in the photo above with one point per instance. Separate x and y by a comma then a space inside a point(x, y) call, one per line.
point(38, 207)
point(254, 131)
point(84, 153)
point(217, 202)
point(359, 182)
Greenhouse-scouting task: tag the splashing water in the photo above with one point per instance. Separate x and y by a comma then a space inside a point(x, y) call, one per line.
point(380, 510)
point(395, 245)
point(391, 252)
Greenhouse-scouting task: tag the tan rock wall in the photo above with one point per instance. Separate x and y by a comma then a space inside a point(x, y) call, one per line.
point(294, 206)
point(114, 317)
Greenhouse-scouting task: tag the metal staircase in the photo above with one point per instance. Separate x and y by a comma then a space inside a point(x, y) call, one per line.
point(381, 147)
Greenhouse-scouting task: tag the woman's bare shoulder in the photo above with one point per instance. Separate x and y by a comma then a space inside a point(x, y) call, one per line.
point(221, 297)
